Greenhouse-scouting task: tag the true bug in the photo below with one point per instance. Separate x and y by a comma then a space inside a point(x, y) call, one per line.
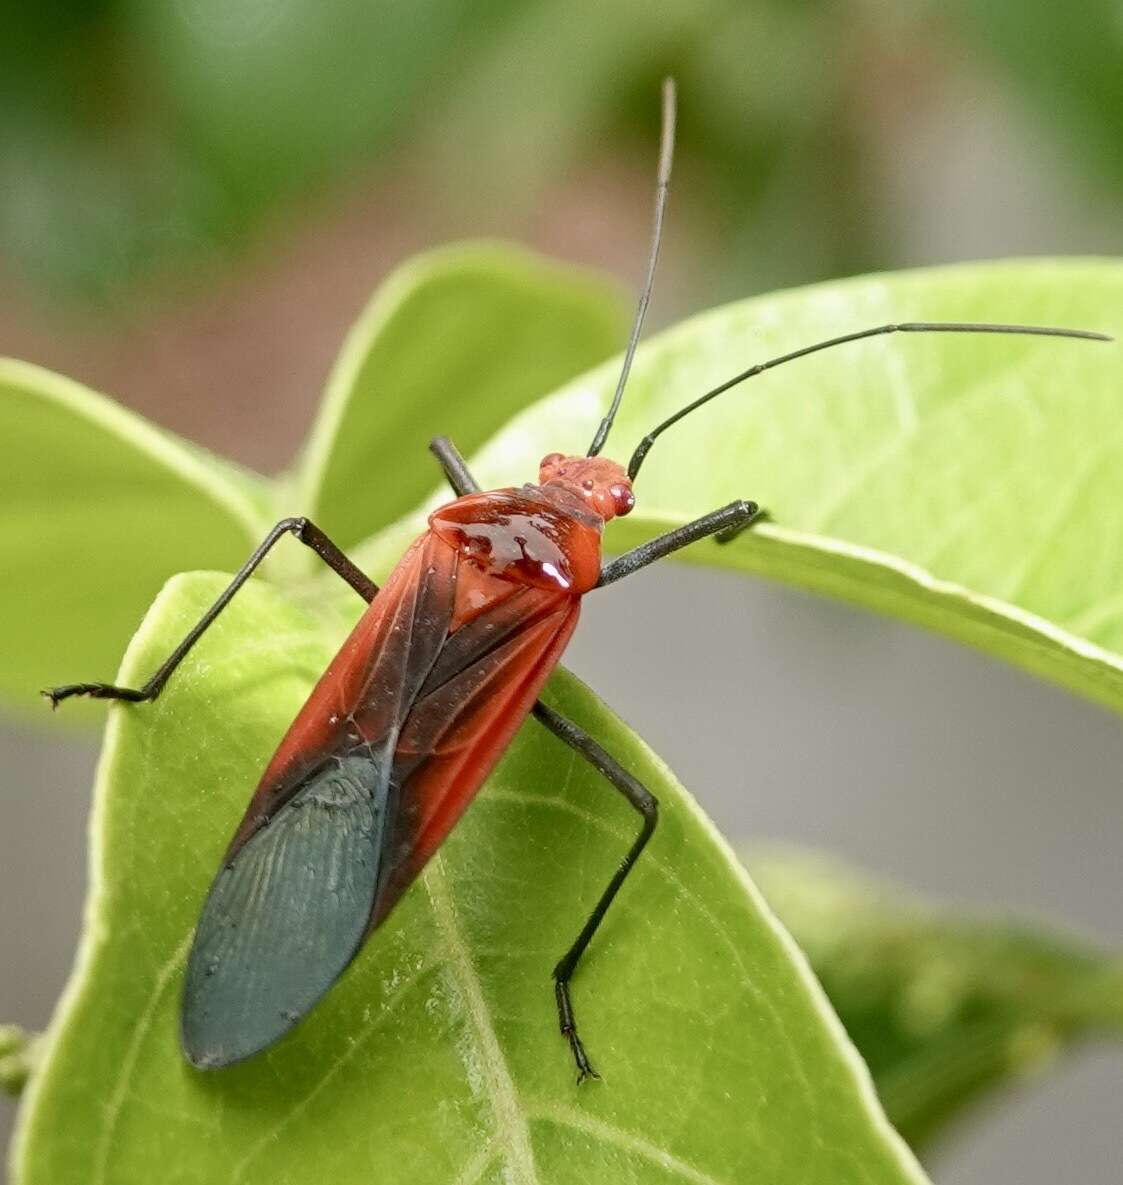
point(416, 708)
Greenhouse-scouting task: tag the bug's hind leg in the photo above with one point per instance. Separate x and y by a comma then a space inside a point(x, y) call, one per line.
point(645, 803)
point(460, 478)
point(304, 530)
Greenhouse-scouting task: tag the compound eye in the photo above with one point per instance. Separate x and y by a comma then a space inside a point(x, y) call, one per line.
point(550, 460)
point(622, 497)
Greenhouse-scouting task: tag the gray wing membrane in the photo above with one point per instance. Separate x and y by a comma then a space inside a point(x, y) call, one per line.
point(300, 893)
point(289, 911)
point(293, 903)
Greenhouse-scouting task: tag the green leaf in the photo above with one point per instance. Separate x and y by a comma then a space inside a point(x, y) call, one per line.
point(100, 507)
point(454, 343)
point(944, 1006)
point(973, 485)
point(437, 1058)
point(97, 509)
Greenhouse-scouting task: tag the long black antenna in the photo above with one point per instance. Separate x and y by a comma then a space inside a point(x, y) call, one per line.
point(902, 327)
point(666, 155)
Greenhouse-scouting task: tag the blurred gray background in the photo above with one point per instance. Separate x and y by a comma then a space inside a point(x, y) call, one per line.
point(199, 197)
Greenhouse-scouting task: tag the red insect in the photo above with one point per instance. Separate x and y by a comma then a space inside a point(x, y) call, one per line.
point(413, 713)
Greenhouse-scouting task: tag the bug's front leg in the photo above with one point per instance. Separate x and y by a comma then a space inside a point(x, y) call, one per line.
point(304, 530)
point(723, 525)
point(645, 803)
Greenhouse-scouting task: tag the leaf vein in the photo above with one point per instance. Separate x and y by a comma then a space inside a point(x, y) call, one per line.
point(510, 1121)
point(120, 1091)
point(302, 1104)
point(627, 1141)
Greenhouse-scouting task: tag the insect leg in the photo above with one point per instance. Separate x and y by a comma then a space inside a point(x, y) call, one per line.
point(308, 534)
point(724, 525)
point(646, 804)
point(454, 466)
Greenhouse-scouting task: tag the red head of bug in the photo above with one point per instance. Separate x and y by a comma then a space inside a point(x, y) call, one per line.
point(601, 484)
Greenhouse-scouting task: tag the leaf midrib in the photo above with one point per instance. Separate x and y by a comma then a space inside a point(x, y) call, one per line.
point(510, 1123)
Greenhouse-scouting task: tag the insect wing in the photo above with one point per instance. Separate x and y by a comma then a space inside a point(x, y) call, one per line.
point(294, 899)
point(367, 689)
point(287, 913)
point(480, 691)
point(383, 759)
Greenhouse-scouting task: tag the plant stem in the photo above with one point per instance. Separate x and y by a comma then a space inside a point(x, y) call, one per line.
point(18, 1055)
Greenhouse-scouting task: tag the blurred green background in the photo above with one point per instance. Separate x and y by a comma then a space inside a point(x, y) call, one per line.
point(198, 196)
point(186, 183)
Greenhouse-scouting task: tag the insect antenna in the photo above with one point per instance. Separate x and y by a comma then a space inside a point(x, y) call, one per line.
point(666, 155)
point(901, 327)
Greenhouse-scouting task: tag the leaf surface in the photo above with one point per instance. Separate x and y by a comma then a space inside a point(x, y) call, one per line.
point(970, 484)
point(453, 343)
point(97, 509)
point(437, 1057)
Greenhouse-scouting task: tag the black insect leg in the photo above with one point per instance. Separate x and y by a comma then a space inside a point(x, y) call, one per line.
point(730, 533)
point(646, 804)
point(454, 466)
point(723, 525)
point(734, 518)
point(308, 534)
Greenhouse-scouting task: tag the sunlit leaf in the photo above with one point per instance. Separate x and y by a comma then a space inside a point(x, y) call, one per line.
point(97, 509)
point(973, 485)
point(970, 485)
point(437, 1058)
point(453, 343)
